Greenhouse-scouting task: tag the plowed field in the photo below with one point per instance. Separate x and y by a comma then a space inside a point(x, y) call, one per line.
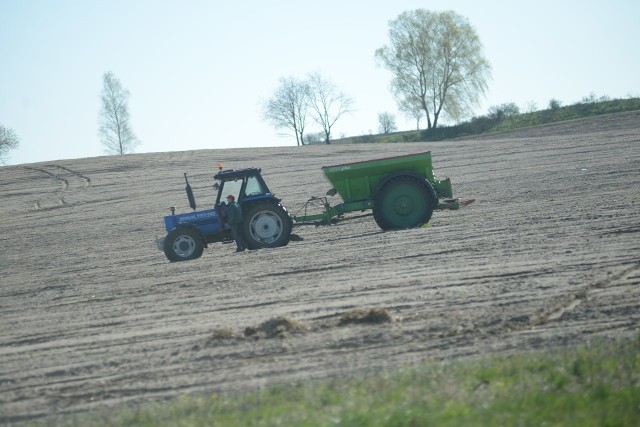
point(93, 316)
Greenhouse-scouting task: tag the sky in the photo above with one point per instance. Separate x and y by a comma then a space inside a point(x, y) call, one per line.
point(198, 71)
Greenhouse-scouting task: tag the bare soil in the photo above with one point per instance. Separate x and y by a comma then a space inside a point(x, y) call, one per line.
point(92, 315)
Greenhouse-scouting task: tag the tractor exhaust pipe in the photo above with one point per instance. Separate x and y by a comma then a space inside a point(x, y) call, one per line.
point(192, 200)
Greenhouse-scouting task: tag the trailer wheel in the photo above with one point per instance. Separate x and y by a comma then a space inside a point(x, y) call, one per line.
point(403, 202)
point(183, 244)
point(266, 225)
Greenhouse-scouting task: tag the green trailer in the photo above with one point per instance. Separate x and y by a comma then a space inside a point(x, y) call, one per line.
point(401, 191)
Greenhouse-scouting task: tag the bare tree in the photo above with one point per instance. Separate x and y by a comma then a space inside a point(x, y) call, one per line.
point(314, 138)
point(8, 141)
point(288, 107)
point(328, 103)
point(437, 62)
point(115, 131)
point(387, 122)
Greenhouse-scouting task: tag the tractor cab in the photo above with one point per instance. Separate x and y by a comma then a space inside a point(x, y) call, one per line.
point(244, 184)
point(267, 224)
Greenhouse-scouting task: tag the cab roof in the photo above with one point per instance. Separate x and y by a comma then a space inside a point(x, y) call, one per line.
point(229, 174)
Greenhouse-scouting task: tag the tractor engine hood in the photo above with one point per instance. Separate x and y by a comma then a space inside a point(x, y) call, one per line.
point(202, 219)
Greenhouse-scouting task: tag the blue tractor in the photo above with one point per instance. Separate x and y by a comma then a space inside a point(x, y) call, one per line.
point(266, 224)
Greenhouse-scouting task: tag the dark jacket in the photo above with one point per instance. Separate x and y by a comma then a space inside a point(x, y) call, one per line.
point(234, 213)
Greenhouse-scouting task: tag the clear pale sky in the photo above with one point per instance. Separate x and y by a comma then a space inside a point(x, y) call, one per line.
point(198, 70)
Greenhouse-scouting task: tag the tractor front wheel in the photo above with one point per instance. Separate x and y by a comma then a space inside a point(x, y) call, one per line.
point(183, 244)
point(266, 225)
point(403, 202)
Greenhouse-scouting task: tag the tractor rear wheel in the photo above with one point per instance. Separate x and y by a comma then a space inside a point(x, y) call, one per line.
point(183, 244)
point(403, 202)
point(266, 225)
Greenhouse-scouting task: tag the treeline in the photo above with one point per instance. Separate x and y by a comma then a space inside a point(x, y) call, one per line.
point(507, 117)
point(571, 112)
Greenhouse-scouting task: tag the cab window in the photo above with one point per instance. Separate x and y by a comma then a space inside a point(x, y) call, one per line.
point(254, 188)
point(231, 187)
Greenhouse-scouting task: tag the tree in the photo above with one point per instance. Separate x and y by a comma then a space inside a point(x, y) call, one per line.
point(288, 107)
point(590, 99)
point(437, 61)
point(314, 138)
point(328, 103)
point(8, 141)
point(387, 122)
point(411, 109)
point(115, 131)
point(502, 111)
point(554, 104)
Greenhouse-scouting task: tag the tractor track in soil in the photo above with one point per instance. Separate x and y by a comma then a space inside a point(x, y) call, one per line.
point(94, 317)
point(64, 177)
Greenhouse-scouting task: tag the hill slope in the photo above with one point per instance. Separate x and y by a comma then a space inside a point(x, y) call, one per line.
point(94, 316)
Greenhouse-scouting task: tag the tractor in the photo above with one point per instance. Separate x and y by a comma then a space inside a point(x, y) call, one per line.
point(267, 224)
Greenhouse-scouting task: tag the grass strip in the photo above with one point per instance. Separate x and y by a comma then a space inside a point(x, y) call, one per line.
point(595, 385)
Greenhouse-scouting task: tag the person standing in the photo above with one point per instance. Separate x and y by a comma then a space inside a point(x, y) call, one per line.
point(234, 220)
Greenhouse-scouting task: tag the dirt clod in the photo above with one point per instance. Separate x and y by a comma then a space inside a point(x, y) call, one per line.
point(276, 327)
point(373, 315)
point(221, 334)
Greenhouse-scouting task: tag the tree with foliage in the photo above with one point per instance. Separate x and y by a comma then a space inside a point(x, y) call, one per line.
point(8, 141)
point(288, 106)
point(387, 122)
point(437, 62)
point(502, 111)
point(554, 104)
point(328, 103)
point(115, 131)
